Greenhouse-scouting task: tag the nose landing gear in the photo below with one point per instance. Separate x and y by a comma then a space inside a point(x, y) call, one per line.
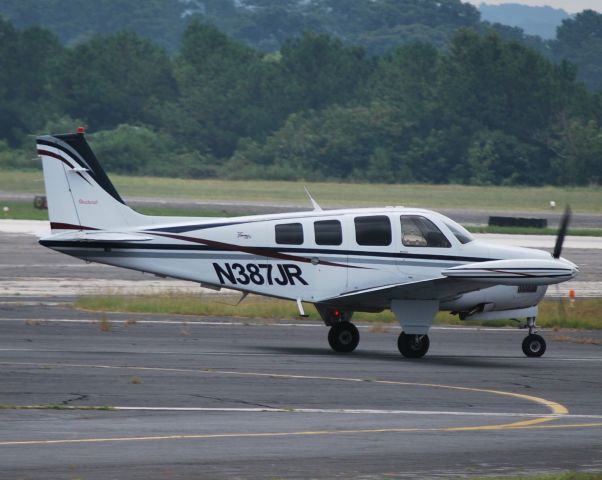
point(533, 345)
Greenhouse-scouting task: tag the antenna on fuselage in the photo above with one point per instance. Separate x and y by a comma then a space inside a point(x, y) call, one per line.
point(317, 208)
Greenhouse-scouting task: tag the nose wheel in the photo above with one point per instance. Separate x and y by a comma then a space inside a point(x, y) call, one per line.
point(343, 337)
point(413, 346)
point(533, 345)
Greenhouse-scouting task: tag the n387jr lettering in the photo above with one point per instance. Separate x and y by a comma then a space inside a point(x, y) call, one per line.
point(259, 274)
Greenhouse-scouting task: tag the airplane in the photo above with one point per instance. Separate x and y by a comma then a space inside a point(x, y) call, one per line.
point(412, 261)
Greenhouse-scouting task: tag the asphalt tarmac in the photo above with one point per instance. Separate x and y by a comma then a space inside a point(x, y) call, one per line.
point(128, 396)
point(180, 397)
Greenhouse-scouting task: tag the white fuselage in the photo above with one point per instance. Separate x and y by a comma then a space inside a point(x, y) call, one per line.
point(302, 256)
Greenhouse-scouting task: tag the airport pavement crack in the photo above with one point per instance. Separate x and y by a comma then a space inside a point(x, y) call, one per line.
point(76, 398)
point(232, 400)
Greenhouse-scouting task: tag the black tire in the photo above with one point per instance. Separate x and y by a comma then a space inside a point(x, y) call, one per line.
point(39, 202)
point(343, 337)
point(413, 346)
point(534, 345)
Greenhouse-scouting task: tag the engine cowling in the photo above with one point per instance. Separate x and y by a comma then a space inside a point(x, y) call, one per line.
point(516, 271)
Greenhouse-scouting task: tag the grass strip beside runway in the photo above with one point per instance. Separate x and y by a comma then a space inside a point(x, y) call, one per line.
point(582, 314)
point(582, 199)
point(24, 210)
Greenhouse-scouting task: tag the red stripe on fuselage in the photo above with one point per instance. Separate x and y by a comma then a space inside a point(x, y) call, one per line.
point(251, 250)
point(68, 226)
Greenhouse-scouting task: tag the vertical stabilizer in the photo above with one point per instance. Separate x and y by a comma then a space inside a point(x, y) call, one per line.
point(80, 195)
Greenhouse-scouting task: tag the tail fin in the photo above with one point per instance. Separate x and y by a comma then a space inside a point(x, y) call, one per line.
point(79, 193)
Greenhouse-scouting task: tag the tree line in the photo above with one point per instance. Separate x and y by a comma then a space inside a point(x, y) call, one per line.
point(378, 26)
point(483, 110)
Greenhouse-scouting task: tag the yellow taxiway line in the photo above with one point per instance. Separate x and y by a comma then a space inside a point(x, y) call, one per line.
point(555, 409)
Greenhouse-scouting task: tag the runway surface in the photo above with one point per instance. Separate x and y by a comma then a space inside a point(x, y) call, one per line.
point(127, 396)
point(232, 398)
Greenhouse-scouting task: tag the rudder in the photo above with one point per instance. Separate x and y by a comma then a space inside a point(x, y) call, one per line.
point(79, 193)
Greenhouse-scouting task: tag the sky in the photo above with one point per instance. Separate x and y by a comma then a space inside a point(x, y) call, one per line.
point(571, 6)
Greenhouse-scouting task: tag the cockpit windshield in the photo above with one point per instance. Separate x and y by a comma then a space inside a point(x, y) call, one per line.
point(463, 235)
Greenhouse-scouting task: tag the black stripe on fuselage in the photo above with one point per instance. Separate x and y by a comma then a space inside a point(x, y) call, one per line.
point(267, 250)
point(202, 226)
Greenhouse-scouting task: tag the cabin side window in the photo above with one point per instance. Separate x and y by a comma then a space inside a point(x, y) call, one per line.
point(289, 234)
point(374, 230)
point(418, 231)
point(328, 232)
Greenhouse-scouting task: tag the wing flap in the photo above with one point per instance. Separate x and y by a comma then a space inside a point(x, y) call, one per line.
point(441, 288)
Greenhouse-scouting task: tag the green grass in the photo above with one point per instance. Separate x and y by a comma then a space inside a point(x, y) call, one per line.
point(21, 210)
point(18, 210)
point(582, 199)
point(584, 314)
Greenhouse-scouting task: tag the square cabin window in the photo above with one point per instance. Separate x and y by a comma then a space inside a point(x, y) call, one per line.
point(373, 231)
point(328, 232)
point(289, 234)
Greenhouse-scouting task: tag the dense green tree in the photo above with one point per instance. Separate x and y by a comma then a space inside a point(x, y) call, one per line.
point(26, 60)
point(580, 40)
point(223, 88)
point(485, 110)
point(132, 149)
point(77, 21)
point(118, 79)
point(579, 149)
point(496, 158)
point(320, 70)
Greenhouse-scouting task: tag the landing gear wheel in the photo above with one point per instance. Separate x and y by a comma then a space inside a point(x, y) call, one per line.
point(534, 345)
point(413, 346)
point(343, 337)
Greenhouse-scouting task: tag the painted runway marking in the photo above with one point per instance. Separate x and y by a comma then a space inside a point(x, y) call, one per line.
point(556, 411)
point(553, 407)
point(208, 436)
point(342, 411)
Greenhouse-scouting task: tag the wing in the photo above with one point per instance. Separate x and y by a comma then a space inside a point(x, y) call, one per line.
point(378, 298)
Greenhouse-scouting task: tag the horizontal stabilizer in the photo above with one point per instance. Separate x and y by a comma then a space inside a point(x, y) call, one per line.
point(515, 272)
point(99, 236)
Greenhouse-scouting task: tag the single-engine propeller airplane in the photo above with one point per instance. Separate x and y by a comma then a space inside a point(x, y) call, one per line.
point(414, 262)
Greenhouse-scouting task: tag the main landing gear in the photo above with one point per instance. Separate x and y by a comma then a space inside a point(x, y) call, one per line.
point(533, 345)
point(343, 337)
point(413, 346)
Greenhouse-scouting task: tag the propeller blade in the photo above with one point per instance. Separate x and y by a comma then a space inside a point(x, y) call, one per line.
point(564, 225)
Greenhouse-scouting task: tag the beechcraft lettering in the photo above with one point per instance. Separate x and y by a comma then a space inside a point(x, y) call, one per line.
point(414, 262)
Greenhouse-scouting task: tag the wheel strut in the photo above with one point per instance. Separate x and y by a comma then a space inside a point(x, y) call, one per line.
point(533, 345)
point(531, 325)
